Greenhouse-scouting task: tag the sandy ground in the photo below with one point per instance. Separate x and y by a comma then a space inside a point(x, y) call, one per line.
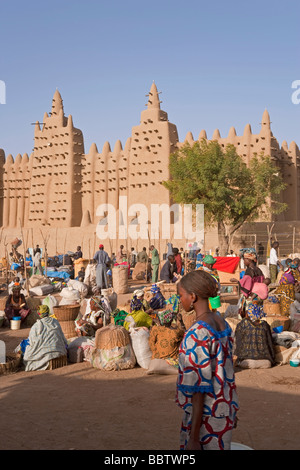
point(78, 407)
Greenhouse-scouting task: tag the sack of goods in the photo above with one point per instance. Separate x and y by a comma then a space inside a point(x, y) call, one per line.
point(120, 279)
point(41, 290)
point(69, 296)
point(140, 344)
point(80, 286)
point(113, 350)
point(111, 296)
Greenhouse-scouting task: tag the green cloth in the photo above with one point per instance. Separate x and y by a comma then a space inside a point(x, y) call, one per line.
point(154, 257)
point(209, 259)
point(119, 316)
point(155, 273)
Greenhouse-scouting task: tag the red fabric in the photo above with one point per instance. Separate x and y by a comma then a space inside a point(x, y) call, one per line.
point(226, 264)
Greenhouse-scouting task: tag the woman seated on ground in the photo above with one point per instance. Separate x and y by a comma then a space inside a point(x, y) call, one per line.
point(46, 341)
point(285, 292)
point(137, 316)
point(16, 305)
point(96, 316)
point(253, 337)
point(140, 294)
point(157, 301)
point(165, 338)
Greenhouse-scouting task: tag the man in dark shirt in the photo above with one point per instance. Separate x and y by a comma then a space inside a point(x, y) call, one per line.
point(168, 271)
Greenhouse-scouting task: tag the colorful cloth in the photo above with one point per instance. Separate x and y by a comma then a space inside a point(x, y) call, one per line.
point(164, 342)
point(43, 311)
point(251, 276)
point(165, 317)
point(136, 304)
point(173, 302)
point(249, 253)
point(140, 318)
point(254, 341)
point(255, 311)
point(227, 264)
point(208, 259)
point(157, 302)
point(206, 366)
point(286, 295)
point(119, 316)
point(287, 277)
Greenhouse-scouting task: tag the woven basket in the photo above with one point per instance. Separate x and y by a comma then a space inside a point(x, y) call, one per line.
point(68, 328)
point(278, 320)
point(57, 362)
point(272, 309)
point(66, 312)
point(3, 302)
point(188, 319)
point(111, 336)
point(13, 362)
point(168, 289)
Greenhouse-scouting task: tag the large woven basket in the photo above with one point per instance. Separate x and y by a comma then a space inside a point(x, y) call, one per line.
point(270, 308)
point(111, 336)
point(66, 312)
point(12, 364)
point(68, 328)
point(3, 302)
point(57, 362)
point(188, 318)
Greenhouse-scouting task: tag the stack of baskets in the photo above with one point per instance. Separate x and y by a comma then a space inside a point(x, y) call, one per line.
point(66, 315)
point(12, 364)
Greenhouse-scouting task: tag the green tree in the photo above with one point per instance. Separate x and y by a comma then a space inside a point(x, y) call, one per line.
point(232, 192)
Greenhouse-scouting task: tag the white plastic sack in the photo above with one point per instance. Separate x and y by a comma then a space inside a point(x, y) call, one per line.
point(78, 285)
point(71, 294)
point(68, 302)
point(296, 354)
point(51, 302)
point(41, 290)
point(140, 345)
point(265, 270)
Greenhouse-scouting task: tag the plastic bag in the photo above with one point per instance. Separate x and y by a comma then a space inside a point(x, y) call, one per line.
point(140, 345)
point(51, 302)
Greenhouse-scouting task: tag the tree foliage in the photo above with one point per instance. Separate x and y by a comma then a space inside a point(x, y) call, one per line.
point(232, 192)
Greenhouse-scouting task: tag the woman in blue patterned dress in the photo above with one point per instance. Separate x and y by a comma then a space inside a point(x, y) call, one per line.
point(206, 388)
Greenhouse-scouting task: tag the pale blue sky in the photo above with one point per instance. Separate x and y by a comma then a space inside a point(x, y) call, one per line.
point(218, 64)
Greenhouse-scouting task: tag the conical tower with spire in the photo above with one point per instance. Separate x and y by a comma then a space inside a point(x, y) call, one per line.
point(152, 141)
point(55, 198)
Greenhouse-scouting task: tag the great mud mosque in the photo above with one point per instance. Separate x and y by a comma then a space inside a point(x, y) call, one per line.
point(61, 186)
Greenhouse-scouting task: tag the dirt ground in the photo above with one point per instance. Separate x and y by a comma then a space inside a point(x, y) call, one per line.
point(78, 407)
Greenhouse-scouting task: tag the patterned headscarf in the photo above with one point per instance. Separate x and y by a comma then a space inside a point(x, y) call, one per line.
point(255, 311)
point(154, 289)
point(165, 316)
point(249, 253)
point(43, 311)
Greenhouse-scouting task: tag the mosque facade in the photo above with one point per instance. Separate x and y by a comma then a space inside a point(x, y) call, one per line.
point(59, 185)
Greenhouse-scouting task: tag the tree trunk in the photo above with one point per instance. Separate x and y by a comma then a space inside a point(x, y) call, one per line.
point(224, 239)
